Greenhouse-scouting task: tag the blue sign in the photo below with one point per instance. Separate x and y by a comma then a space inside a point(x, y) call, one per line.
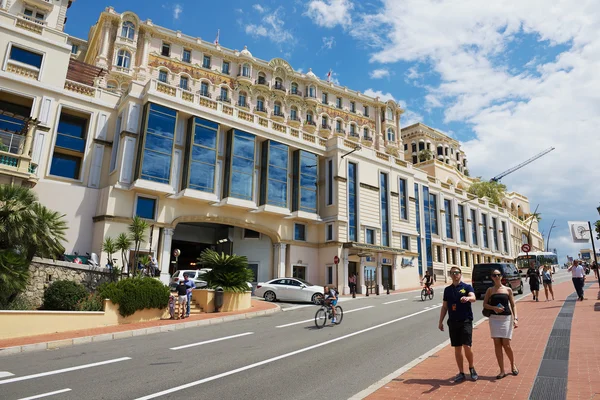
point(386, 261)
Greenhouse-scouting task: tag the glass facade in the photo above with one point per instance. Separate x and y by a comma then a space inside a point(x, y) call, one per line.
point(239, 174)
point(274, 174)
point(484, 230)
point(352, 202)
point(474, 227)
point(158, 143)
point(418, 218)
point(403, 199)
point(461, 223)
point(433, 213)
point(385, 210)
point(202, 153)
point(495, 233)
point(448, 210)
point(305, 181)
point(69, 148)
point(427, 206)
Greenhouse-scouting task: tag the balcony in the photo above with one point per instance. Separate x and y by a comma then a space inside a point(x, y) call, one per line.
point(243, 105)
point(294, 121)
point(311, 99)
point(205, 94)
point(13, 158)
point(42, 4)
point(295, 93)
point(277, 116)
point(261, 111)
point(324, 130)
point(340, 132)
point(244, 78)
point(279, 87)
point(261, 82)
point(224, 99)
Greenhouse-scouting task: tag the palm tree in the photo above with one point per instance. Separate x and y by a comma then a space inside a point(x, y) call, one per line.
point(537, 216)
point(137, 234)
point(425, 155)
point(230, 272)
point(48, 233)
point(123, 244)
point(14, 275)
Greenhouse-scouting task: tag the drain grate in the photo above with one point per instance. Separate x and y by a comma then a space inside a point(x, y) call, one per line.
point(549, 388)
point(559, 341)
point(556, 353)
point(566, 314)
point(561, 332)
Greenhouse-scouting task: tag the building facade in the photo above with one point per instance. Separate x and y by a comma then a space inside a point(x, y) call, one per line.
point(218, 149)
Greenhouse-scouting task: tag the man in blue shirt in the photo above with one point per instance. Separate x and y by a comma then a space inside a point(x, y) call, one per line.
point(457, 303)
point(191, 285)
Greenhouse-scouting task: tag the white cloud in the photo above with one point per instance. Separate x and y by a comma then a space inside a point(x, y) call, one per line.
point(379, 73)
point(272, 26)
point(378, 93)
point(259, 8)
point(177, 10)
point(328, 42)
point(329, 13)
point(513, 113)
point(256, 30)
point(413, 73)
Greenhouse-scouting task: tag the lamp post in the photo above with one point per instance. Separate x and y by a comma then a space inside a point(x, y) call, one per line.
point(548, 241)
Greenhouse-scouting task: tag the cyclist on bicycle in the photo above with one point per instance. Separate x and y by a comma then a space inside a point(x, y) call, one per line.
point(330, 300)
point(428, 278)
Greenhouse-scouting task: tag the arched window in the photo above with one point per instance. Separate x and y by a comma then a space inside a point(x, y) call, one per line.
point(294, 113)
point(242, 99)
point(128, 30)
point(125, 87)
point(310, 119)
point(277, 109)
point(312, 92)
point(246, 70)
point(391, 135)
point(352, 130)
point(112, 85)
point(389, 114)
point(260, 104)
point(294, 88)
point(123, 59)
point(184, 82)
point(278, 83)
point(262, 80)
point(163, 76)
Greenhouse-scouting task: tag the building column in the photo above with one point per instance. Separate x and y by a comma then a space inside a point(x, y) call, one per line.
point(165, 255)
point(344, 285)
point(361, 287)
point(378, 273)
point(142, 68)
point(279, 260)
point(103, 57)
point(445, 254)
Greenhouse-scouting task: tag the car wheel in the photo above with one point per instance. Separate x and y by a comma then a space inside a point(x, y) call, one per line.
point(520, 289)
point(316, 298)
point(270, 296)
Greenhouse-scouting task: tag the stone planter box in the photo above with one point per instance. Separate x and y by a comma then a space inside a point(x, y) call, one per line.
point(205, 298)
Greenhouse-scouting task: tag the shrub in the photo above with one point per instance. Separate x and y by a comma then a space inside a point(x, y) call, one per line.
point(64, 295)
point(19, 303)
point(230, 272)
point(91, 303)
point(135, 294)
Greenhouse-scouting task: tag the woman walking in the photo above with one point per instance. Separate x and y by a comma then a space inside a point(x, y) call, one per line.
point(533, 274)
point(547, 281)
point(500, 300)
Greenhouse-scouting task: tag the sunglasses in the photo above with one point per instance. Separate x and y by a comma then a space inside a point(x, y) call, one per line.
point(496, 275)
point(455, 273)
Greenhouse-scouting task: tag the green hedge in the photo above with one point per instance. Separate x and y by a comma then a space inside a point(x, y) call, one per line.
point(135, 294)
point(64, 296)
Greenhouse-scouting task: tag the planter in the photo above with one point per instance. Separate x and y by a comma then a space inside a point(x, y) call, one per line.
point(205, 298)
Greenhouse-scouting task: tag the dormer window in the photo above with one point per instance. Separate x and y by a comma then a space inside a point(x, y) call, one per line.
point(128, 30)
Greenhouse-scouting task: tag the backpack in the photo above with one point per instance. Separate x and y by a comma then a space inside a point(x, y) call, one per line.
point(337, 294)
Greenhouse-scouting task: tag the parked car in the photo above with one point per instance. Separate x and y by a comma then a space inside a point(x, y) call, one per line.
point(482, 277)
point(193, 274)
point(289, 289)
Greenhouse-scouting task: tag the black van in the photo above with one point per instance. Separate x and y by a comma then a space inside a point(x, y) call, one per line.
point(482, 277)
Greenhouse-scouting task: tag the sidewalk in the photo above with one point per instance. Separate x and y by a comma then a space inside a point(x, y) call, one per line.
point(71, 338)
point(431, 378)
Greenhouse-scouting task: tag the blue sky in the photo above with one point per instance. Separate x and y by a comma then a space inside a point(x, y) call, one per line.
point(508, 80)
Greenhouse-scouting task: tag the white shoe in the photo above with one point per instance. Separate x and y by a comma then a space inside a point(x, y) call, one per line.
point(333, 320)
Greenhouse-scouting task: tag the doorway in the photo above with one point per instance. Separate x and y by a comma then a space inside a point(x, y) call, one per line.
point(386, 277)
point(299, 272)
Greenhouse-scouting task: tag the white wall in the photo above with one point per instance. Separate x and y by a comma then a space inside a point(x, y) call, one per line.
point(258, 251)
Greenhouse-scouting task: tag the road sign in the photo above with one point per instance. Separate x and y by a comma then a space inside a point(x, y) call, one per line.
point(526, 248)
point(336, 260)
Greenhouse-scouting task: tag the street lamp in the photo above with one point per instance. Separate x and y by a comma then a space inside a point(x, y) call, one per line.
point(548, 241)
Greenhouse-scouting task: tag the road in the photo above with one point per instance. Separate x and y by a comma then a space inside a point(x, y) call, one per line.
point(273, 357)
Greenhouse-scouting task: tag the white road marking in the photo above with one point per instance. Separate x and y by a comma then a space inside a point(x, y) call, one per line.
point(296, 307)
point(210, 341)
point(312, 319)
point(273, 359)
point(5, 374)
point(395, 301)
point(60, 371)
point(39, 396)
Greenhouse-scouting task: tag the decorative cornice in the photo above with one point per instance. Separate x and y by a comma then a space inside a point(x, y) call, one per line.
point(340, 179)
point(366, 186)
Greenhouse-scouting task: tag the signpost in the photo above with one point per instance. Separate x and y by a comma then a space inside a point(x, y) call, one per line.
point(336, 260)
point(526, 248)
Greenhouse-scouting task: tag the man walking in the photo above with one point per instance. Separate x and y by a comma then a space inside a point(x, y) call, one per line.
point(578, 277)
point(352, 284)
point(457, 303)
point(190, 285)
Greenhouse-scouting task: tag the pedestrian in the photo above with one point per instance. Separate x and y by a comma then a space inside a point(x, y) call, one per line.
point(457, 303)
point(595, 269)
point(182, 290)
point(352, 284)
point(172, 300)
point(578, 277)
point(547, 280)
point(190, 286)
point(153, 266)
point(533, 275)
point(500, 300)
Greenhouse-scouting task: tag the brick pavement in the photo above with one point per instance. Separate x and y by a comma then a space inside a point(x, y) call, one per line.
point(432, 378)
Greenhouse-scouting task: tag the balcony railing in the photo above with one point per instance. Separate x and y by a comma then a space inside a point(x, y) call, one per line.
point(309, 96)
point(294, 119)
point(296, 92)
point(311, 123)
point(261, 82)
point(325, 126)
point(32, 19)
point(242, 75)
point(205, 94)
point(243, 105)
point(339, 130)
point(224, 99)
point(11, 143)
point(279, 87)
point(277, 114)
point(260, 109)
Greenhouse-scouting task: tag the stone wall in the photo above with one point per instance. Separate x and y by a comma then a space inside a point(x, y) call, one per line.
point(44, 271)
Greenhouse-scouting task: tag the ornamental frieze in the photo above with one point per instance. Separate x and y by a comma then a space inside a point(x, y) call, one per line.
point(195, 72)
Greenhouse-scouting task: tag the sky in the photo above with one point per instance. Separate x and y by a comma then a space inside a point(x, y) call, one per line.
point(508, 79)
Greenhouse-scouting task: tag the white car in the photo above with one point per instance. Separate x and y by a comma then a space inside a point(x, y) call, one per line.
point(289, 289)
point(193, 275)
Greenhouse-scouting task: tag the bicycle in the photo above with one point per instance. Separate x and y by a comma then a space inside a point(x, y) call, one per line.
point(427, 293)
point(325, 313)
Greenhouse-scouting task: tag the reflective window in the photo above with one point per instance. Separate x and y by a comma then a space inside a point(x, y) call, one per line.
point(277, 108)
point(274, 174)
point(352, 202)
point(203, 155)
point(294, 88)
point(385, 217)
point(299, 232)
point(405, 242)
point(309, 116)
point(338, 126)
point(145, 208)
point(183, 83)
point(69, 148)
point(294, 113)
point(128, 30)
point(370, 236)
point(329, 232)
point(403, 199)
point(162, 76)
point(65, 166)
point(206, 61)
point(260, 104)
point(242, 99)
point(187, 55)
point(225, 68)
point(158, 144)
point(495, 233)
point(484, 230)
point(366, 133)
point(389, 114)
point(305, 181)
point(504, 236)
point(474, 226)
point(352, 106)
point(461, 223)
point(312, 92)
point(204, 89)
point(433, 213)
point(366, 111)
point(391, 136)
point(26, 57)
point(246, 70)
point(224, 94)
point(449, 219)
point(324, 98)
point(241, 176)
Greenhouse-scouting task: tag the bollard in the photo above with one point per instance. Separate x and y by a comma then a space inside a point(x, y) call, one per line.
point(388, 288)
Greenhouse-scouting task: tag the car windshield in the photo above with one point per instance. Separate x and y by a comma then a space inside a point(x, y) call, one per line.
point(304, 282)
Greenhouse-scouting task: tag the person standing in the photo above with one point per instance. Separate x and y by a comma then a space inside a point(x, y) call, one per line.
point(534, 281)
point(190, 286)
point(547, 281)
point(578, 277)
point(182, 289)
point(457, 304)
point(352, 284)
point(500, 300)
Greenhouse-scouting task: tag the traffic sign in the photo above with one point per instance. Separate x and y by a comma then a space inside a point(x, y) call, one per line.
point(336, 260)
point(526, 248)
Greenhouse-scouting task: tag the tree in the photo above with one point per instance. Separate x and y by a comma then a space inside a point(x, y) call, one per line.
point(123, 244)
point(494, 191)
point(598, 229)
point(137, 234)
point(14, 275)
point(537, 216)
point(109, 246)
point(425, 155)
point(230, 272)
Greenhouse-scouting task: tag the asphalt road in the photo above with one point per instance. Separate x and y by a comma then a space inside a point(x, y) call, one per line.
point(280, 356)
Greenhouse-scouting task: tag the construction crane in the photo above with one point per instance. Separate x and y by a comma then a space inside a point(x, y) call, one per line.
point(513, 169)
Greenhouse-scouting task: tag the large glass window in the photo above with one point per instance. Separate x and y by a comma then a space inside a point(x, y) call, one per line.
point(202, 155)
point(69, 148)
point(352, 202)
point(128, 30)
point(433, 213)
point(305, 181)
point(25, 57)
point(240, 174)
point(385, 216)
point(403, 198)
point(145, 207)
point(461, 223)
point(449, 219)
point(123, 59)
point(299, 232)
point(474, 227)
point(495, 233)
point(484, 230)
point(274, 174)
point(158, 144)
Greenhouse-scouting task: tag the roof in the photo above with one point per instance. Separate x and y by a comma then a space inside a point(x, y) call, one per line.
point(83, 73)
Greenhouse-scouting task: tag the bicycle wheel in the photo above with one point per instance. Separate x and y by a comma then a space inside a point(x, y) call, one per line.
point(339, 315)
point(430, 293)
point(320, 318)
point(423, 294)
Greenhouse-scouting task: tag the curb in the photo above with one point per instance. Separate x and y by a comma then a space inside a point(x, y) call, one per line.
point(56, 344)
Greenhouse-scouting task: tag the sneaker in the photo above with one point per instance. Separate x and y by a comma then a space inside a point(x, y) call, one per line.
point(459, 378)
point(333, 320)
point(534, 298)
point(474, 375)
